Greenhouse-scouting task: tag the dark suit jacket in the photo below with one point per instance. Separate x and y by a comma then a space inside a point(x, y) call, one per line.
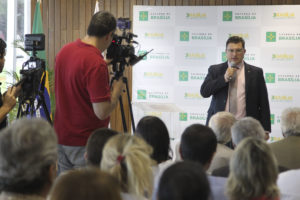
point(257, 103)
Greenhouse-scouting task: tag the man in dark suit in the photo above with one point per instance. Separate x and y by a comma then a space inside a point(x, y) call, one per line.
point(237, 87)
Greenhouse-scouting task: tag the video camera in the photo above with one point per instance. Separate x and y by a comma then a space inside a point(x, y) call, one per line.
point(123, 54)
point(33, 69)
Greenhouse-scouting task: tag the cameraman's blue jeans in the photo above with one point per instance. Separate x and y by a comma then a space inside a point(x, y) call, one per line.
point(70, 157)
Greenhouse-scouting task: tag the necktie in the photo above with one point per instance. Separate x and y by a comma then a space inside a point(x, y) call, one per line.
point(233, 95)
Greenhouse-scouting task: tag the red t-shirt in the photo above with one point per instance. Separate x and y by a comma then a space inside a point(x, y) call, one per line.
point(81, 78)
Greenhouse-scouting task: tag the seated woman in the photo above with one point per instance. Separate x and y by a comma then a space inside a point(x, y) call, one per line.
point(128, 159)
point(253, 172)
point(154, 131)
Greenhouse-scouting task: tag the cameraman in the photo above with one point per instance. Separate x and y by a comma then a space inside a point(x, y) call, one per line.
point(8, 100)
point(84, 99)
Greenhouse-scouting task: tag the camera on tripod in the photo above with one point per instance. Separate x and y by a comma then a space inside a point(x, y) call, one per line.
point(33, 78)
point(33, 69)
point(121, 50)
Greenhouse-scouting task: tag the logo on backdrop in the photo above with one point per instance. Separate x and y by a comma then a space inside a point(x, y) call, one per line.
point(183, 76)
point(142, 94)
point(290, 78)
point(156, 75)
point(282, 57)
point(154, 35)
point(158, 95)
point(227, 16)
point(196, 15)
point(183, 117)
point(193, 76)
point(194, 56)
point(289, 36)
point(272, 119)
point(282, 98)
point(192, 96)
point(224, 57)
point(143, 16)
point(184, 35)
point(270, 36)
point(283, 15)
point(192, 116)
point(270, 77)
point(202, 36)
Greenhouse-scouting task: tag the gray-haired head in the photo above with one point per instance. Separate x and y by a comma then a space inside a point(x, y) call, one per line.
point(221, 124)
point(246, 127)
point(27, 150)
point(290, 121)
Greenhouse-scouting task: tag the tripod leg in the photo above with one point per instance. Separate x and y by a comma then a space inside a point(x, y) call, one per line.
point(129, 103)
point(123, 115)
point(19, 110)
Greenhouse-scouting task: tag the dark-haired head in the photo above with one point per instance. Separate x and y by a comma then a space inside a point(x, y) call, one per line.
point(155, 132)
point(95, 145)
point(198, 143)
point(101, 24)
point(182, 181)
point(235, 40)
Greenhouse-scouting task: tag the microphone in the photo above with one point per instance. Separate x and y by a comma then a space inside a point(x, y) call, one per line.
point(233, 65)
point(137, 59)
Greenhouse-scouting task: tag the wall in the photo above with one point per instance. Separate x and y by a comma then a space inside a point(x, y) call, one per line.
point(66, 20)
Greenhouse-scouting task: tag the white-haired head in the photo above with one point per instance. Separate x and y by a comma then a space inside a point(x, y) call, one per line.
point(221, 124)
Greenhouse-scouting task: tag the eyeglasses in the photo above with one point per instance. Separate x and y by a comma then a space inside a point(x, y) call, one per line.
point(235, 50)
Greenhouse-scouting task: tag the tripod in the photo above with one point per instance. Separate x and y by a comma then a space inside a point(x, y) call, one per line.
point(27, 107)
point(118, 74)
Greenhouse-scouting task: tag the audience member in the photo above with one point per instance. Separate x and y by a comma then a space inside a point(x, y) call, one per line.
point(198, 144)
point(95, 144)
point(253, 172)
point(128, 159)
point(28, 155)
point(286, 150)
point(154, 131)
point(221, 124)
point(246, 127)
point(85, 184)
point(183, 181)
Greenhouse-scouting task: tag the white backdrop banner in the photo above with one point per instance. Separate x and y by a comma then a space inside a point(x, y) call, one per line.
point(188, 39)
